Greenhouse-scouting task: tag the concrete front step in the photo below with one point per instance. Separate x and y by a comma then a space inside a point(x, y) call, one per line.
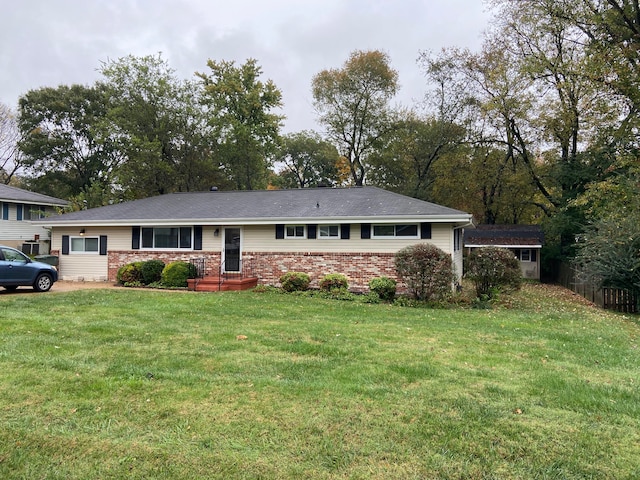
point(215, 284)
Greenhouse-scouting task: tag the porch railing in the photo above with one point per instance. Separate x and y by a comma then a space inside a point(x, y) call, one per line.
point(201, 265)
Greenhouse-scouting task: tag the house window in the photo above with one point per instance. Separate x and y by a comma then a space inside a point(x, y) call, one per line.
point(36, 212)
point(525, 255)
point(396, 231)
point(85, 244)
point(329, 231)
point(294, 231)
point(166, 237)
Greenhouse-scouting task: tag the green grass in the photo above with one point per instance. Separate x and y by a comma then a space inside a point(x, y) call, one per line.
point(101, 384)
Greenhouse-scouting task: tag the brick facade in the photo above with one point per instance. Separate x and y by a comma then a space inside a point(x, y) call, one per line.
point(359, 268)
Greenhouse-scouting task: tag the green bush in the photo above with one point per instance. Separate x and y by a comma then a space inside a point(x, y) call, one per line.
point(151, 271)
point(131, 273)
point(333, 281)
point(492, 270)
point(426, 270)
point(175, 274)
point(384, 287)
point(295, 281)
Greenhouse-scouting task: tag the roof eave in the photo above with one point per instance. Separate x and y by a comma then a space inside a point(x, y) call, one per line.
point(460, 220)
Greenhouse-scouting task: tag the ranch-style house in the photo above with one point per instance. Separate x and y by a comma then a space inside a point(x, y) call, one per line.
point(260, 234)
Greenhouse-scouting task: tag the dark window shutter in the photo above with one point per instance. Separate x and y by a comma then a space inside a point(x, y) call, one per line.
point(312, 231)
point(65, 244)
point(103, 244)
point(425, 230)
point(197, 237)
point(280, 231)
point(135, 238)
point(365, 230)
point(19, 212)
point(345, 231)
point(534, 257)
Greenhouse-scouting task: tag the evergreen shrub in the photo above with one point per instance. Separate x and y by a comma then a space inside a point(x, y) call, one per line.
point(131, 273)
point(175, 274)
point(295, 281)
point(384, 287)
point(333, 281)
point(151, 271)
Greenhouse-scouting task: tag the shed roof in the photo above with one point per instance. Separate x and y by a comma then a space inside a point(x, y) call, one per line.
point(504, 236)
point(266, 206)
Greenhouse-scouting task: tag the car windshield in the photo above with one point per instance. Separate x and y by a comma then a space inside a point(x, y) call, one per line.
point(11, 255)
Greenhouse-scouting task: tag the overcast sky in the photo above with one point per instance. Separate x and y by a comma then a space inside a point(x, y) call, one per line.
point(54, 42)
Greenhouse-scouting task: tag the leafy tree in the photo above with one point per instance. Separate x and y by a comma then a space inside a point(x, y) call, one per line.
point(353, 104)
point(159, 126)
point(242, 119)
point(307, 161)
point(609, 247)
point(415, 145)
point(65, 151)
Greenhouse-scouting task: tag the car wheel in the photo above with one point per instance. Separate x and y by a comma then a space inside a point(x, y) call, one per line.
point(11, 288)
point(43, 283)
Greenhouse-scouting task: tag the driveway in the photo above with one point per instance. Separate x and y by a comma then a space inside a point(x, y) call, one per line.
point(61, 286)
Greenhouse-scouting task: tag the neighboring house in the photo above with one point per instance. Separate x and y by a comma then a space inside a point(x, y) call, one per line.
point(525, 241)
point(18, 211)
point(264, 234)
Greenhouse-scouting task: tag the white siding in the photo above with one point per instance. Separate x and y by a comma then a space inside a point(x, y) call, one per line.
point(14, 232)
point(262, 238)
point(90, 267)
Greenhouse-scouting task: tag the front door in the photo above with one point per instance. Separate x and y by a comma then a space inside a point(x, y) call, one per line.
point(232, 254)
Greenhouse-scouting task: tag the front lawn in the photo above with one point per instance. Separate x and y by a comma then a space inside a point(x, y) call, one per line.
point(113, 383)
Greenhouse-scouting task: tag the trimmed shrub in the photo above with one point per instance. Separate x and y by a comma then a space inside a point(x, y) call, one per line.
point(151, 271)
point(426, 270)
point(333, 281)
point(492, 270)
point(131, 273)
point(175, 274)
point(384, 287)
point(295, 281)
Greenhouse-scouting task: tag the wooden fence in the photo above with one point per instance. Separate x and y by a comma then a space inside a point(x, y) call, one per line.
point(616, 299)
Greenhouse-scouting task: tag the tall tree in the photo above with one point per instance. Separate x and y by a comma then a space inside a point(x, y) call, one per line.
point(241, 115)
point(353, 104)
point(307, 161)
point(65, 151)
point(159, 125)
point(415, 145)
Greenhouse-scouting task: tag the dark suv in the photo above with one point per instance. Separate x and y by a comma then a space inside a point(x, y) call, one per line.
point(16, 269)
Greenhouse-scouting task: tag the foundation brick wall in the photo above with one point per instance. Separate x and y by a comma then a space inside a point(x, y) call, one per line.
point(358, 268)
point(269, 267)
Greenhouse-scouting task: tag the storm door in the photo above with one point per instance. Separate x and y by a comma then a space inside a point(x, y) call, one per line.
point(232, 254)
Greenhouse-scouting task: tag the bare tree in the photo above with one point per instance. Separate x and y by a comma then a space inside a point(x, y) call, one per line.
point(10, 159)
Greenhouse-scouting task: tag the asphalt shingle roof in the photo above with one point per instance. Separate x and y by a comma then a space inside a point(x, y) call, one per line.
point(504, 235)
point(13, 194)
point(255, 205)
